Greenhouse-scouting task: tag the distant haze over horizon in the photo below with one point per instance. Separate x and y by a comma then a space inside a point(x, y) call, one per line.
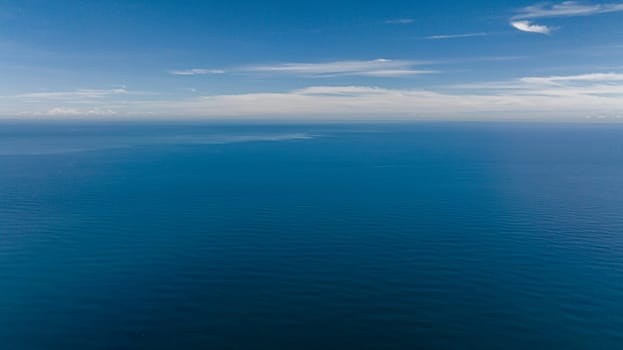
point(321, 60)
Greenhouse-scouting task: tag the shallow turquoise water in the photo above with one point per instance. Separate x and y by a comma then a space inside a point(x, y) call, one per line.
point(206, 236)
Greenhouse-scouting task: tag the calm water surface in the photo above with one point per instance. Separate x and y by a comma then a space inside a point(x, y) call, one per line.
point(436, 236)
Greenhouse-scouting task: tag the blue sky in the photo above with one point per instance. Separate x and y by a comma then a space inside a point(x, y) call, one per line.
point(311, 59)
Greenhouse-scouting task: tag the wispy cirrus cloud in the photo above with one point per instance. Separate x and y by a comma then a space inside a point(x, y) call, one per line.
point(73, 103)
point(372, 68)
point(592, 77)
point(527, 26)
point(77, 112)
point(593, 87)
point(522, 20)
point(523, 98)
point(566, 9)
point(533, 97)
point(80, 93)
point(399, 21)
point(379, 68)
point(455, 36)
point(64, 111)
point(197, 71)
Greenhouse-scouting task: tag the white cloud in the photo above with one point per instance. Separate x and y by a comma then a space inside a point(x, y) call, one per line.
point(378, 68)
point(390, 73)
point(81, 93)
point(76, 112)
point(399, 21)
point(61, 111)
point(102, 111)
point(197, 71)
point(606, 85)
point(339, 90)
point(455, 36)
point(566, 9)
point(526, 26)
point(557, 80)
point(522, 20)
point(372, 68)
point(547, 97)
point(563, 97)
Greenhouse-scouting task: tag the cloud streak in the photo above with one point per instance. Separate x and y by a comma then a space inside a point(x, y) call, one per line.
point(566, 9)
point(577, 90)
point(523, 19)
point(373, 68)
point(558, 80)
point(376, 68)
point(455, 36)
point(536, 98)
point(363, 102)
point(197, 71)
point(80, 93)
point(77, 112)
point(399, 21)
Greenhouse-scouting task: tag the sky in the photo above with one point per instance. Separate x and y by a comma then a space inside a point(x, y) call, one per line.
point(321, 60)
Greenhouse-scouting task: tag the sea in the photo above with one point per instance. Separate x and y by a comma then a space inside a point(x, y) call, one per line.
point(214, 235)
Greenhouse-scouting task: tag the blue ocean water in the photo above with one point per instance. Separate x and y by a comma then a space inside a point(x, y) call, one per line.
point(368, 236)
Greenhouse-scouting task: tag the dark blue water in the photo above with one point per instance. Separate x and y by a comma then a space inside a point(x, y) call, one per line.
point(198, 236)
